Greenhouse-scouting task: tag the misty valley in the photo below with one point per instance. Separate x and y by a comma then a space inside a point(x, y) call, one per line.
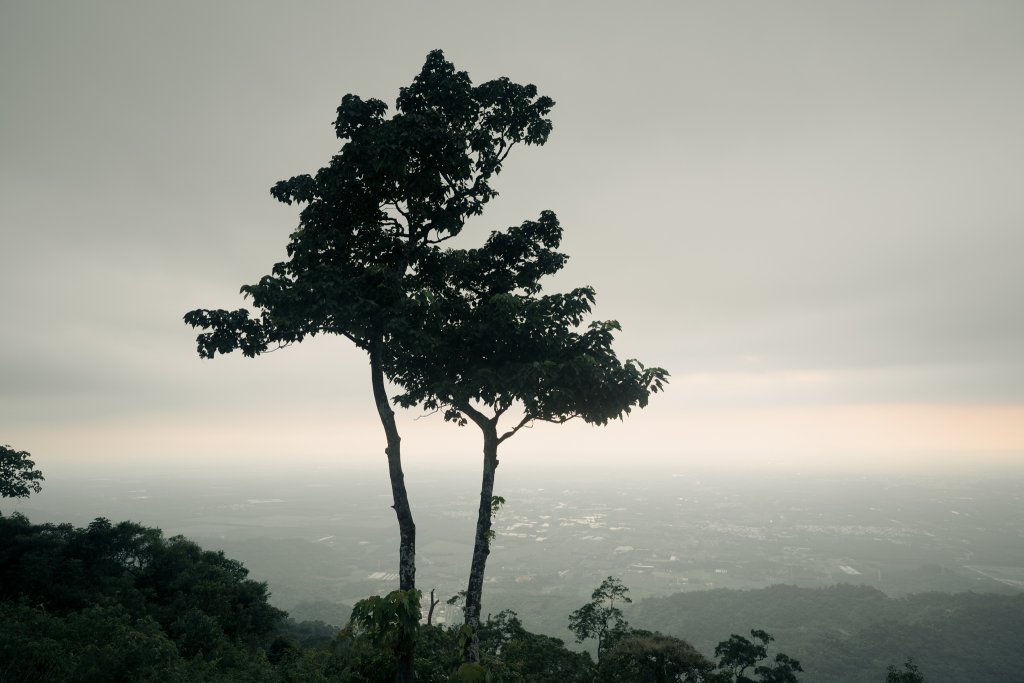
point(812, 246)
point(824, 562)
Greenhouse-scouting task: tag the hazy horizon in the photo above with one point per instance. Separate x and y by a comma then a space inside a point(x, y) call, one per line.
point(809, 213)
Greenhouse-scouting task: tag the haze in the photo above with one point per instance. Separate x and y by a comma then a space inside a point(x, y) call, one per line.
point(809, 213)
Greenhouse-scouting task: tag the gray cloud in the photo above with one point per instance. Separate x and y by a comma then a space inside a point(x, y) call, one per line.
point(819, 186)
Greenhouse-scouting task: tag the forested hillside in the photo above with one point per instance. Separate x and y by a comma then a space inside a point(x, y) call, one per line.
point(121, 602)
point(847, 634)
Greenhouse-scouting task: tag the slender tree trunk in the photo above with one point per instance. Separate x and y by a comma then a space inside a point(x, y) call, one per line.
point(406, 526)
point(482, 545)
point(433, 604)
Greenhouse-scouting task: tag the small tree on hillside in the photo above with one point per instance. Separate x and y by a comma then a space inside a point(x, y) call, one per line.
point(738, 655)
point(601, 618)
point(490, 346)
point(909, 674)
point(398, 186)
point(18, 476)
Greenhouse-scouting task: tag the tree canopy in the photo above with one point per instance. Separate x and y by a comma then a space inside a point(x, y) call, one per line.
point(118, 601)
point(398, 185)
point(487, 336)
point(18, 476)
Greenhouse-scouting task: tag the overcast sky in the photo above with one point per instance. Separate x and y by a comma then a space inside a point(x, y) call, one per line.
point(810, 213)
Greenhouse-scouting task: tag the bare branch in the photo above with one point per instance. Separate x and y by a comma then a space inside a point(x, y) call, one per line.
point(280, 345)
point(404, 214)
point(504, 155)
point(525, 422)
point(440, 239)
point(561, 420)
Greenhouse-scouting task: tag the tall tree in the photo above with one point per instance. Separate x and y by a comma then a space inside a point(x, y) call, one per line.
point(18, 476)
point(491, 345)
point(398, 186)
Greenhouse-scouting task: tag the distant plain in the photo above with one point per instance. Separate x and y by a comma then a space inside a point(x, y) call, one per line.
point(324, 537)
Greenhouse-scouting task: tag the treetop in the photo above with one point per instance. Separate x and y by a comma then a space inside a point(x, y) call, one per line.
point(398, 186)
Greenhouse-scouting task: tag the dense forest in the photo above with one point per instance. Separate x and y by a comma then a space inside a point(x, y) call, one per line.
point(120, 602)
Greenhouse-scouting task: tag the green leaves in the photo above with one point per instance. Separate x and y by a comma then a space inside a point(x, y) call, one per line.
point(640, 655)
point(297, 189)
point(496, 503)
point(600, 618)
point(231, 330)
point(18, 476)
point(390, 622)
point(185, 589)
point(738, 654)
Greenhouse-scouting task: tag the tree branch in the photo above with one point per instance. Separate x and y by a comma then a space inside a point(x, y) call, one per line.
point(525, 422)
point(435, 411)
point(475, 415)
point(440, 239)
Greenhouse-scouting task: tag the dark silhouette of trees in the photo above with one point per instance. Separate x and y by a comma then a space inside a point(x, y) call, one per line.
point(629, 654)
point(18, 476)
point(518, 655)
point(490, 346)
point(738, 655)
point(398, 187)
point(121, 602)
point(640, 655)
point(851, 634)
point(909, 674)
point(600, 618)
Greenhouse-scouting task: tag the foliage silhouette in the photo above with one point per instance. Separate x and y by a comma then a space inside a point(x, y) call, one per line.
point(18, 476)
point(121, 602)
point(738, 654)
point(601, 619)
point(113, 602)
point(851, 634)
point(398, 187)
point(910, 674)
point(489, 345)
point(650, 656)
point(628, 654)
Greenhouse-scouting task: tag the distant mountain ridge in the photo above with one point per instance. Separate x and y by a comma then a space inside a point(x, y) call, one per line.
point(848, 633)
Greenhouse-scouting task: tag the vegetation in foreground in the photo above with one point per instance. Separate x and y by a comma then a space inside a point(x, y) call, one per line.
point(467, 332)
point(119, 602)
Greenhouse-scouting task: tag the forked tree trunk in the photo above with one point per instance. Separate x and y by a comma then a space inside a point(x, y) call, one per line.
point(406, 526)
point(482, 544)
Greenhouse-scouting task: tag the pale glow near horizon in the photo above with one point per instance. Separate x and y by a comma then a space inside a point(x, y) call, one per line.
point(880, 438)
point(820, 241)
